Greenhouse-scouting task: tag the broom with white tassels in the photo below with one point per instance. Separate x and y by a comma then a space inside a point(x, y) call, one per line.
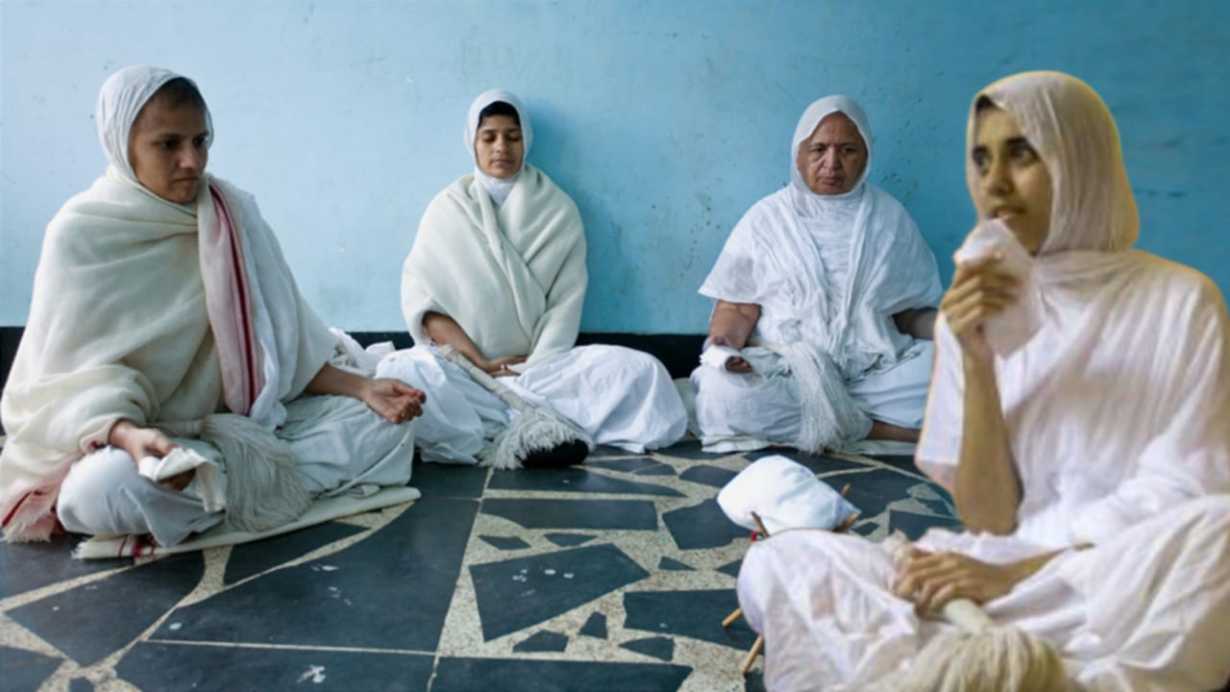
point(980, 656)
point(533, 430)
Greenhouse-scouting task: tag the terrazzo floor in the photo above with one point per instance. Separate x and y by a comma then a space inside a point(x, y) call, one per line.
point(611, 576)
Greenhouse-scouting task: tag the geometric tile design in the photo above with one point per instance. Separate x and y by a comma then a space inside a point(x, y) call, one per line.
point(515, 594)
point(629, 567)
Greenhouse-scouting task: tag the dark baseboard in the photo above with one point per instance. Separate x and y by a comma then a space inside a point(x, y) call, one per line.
point(680, 353)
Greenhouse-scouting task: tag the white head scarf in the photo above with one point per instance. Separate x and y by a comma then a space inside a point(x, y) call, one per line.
point(1070, 127)
point(808, 123)
point(498, 188)
point(120, 101)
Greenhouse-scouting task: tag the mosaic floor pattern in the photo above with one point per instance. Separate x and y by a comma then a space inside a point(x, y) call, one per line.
point(611, 576)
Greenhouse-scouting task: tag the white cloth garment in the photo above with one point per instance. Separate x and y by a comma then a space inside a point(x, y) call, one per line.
point(511, 275)
point(119, 325)
point(339, 447)
point(1119, 439)
point(828, 272)
point(514, 278)
point(618, 396)
point(498, 188)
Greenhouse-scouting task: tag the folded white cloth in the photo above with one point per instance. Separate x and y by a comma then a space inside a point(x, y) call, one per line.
point(785, 494)
point(181, 460)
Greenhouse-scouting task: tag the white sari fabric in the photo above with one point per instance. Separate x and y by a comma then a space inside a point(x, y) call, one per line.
point(1119, 439)
point(120, 326)
point(828, 272)
point(513, 276)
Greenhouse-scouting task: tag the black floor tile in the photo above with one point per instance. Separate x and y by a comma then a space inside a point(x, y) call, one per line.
point(25, 670)
point(696, 614)
point(708, 475)
point(519, 593)
point(754, 682)
point(159, 666)
point(701, 526)
point(871, 492)
point(256, 557)
point(595, 626)
point(391, 590)
point(567, 540)
point(80, 685)
point(505, 542)
point(518, 675)
point(731, 568)
point(662, 648)
point(574, 480)
point(628, 515)
point(915, 525)
point(26, 566)
point(449, 480)
point(93, 620)
point(641, 466)
point(673, 565)
point(903, 462)
point(545, 640)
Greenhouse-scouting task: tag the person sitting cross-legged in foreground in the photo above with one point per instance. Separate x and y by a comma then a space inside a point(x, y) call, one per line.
point(161, 298)
point(1090, 465)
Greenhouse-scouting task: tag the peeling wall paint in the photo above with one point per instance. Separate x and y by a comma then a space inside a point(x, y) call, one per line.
point(664, 120)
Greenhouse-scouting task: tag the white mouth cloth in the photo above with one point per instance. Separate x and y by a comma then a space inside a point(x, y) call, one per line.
point(786, 495)
point(181, 460)
point(1016, 324)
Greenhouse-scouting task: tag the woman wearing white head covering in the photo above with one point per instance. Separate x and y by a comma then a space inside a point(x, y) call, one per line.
point(497, 271)
point(1090, 465)
point(162, 297)
point(823, 290)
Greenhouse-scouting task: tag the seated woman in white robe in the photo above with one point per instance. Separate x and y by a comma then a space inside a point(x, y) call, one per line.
point(497, 271)
point(1089, 466)
point(825, 301)
point(160, 300)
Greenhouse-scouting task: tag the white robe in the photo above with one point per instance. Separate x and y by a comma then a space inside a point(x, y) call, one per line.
point(1119, 440)
point(513, 277)
point(119, 325)
point(781, 257)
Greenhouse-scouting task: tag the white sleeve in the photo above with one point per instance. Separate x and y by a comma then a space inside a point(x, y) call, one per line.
point(939, 446)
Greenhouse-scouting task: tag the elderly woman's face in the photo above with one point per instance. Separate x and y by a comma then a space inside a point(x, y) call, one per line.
point(498, 148)
point(832, 160)
point(1013, 183)
point(168, 149)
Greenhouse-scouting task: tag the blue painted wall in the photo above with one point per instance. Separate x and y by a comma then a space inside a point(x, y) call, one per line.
point(665, 120)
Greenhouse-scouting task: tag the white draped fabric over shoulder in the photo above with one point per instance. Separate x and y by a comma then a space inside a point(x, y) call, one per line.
point(154, 312)
point(1119, 439)
point(512, 275)
point(828, 272)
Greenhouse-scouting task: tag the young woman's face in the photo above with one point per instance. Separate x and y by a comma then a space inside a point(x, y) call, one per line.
point(168, 149)
point(498, 147)
point(832, 159)
point(1013, 183)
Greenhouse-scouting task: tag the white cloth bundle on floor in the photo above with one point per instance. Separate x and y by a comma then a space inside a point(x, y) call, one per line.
point(785, 495)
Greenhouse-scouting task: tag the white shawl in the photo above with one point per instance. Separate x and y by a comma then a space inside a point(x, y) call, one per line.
point(513, 276)
point(119, 325)
point(1117, 409)
point(772, 259)
point(828, 333)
